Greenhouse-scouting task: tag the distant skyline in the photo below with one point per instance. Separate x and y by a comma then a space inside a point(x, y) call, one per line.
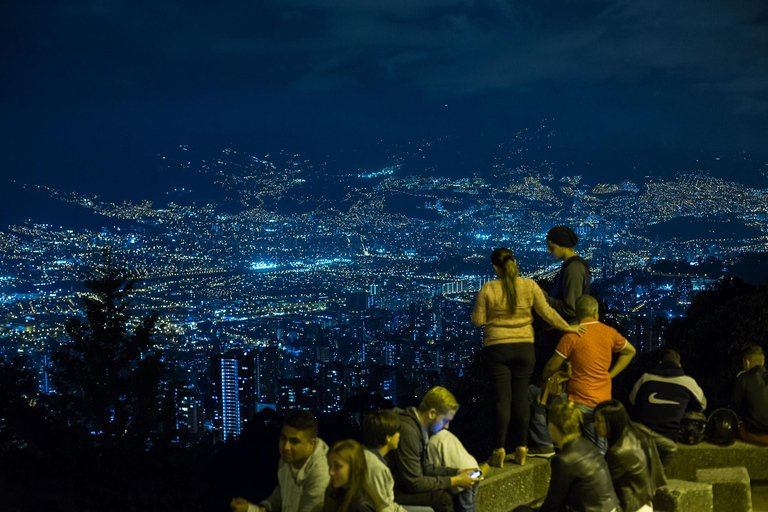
point(93, 90)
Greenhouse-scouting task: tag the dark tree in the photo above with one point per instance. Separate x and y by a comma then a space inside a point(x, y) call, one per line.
point(717, 326)
point(19, 416)
point(107, 378)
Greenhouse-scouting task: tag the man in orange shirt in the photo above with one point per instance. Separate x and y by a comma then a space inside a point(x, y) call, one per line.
point(590, 384)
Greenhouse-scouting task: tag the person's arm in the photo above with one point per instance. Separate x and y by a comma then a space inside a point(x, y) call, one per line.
point(478, 313)
point(559, 487)
point(636, 388)
point(625, 356)
point(273, 503)
point(573, 287)
point(552, 317)
point(407, 462)
point(383, 485)
point(313, 488)
point(699, 401)
point(552, 366)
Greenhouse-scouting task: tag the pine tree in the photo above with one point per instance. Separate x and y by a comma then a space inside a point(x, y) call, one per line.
point(108, 376)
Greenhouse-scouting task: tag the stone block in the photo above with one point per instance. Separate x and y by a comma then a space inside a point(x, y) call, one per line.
point(682, 496)
point(706, 456)
point(504, 489)
point(730, 488)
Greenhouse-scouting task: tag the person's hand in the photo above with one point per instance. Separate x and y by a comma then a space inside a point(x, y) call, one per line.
point(578, 329)
point(463, 479)
point(239, 505)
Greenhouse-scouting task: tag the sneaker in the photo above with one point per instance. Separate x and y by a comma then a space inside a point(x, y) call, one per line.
point(544, 452)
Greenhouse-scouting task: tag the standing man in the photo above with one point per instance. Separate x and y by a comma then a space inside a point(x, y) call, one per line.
point(662, 396)
point(574, 279)
point(417, 481)
point(302, 473)
point(591, 381)
point(750, 397)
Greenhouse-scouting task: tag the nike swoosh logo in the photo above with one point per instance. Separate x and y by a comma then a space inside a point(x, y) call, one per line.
point(652, 398)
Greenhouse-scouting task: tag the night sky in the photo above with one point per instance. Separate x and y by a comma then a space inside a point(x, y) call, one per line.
point(92, 91)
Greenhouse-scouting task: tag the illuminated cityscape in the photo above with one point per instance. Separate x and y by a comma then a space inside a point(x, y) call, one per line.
point(307, 287)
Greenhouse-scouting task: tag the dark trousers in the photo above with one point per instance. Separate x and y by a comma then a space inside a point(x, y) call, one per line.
point(441, 501)
point(510, 366)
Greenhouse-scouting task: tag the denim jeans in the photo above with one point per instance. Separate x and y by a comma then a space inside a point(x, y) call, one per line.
point(465, 500)
point(539, 432)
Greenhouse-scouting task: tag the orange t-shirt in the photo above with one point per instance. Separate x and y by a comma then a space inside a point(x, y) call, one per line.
point(591, 357)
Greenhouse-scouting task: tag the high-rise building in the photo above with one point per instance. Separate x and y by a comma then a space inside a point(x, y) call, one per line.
point(297, 394)
point(233, 379)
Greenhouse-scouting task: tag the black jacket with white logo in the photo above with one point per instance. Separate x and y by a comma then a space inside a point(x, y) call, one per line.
point(662, 396)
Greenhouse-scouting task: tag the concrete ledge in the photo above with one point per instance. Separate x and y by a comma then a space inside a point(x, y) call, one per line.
point(504, 489)
point(682, 496)
point(707, 456)
point(730, 488)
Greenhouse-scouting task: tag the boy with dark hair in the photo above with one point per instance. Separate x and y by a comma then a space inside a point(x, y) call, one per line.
point(381, 434)
point(302, 473)
point(750, 397)
point(662, 396)
point(417, 481)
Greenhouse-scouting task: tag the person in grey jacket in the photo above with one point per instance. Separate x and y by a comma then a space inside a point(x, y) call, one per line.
point(381, 434)
point(302, 473)
point(417, 481)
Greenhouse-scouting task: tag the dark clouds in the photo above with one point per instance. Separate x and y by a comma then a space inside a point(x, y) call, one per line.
point(677, 72)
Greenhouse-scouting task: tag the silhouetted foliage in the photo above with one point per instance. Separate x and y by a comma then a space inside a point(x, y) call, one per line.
point(474, 421)
point(107, 378)
point(717, 326)
point(20, 418)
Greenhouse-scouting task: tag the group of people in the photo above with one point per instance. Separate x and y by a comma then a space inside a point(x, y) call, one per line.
point(605, 460)
point(408, 462)
point(601, 460)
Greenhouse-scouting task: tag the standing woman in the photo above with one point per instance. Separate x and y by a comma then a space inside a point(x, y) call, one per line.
point(632, 456)
point(349, 490)
point(503, 308)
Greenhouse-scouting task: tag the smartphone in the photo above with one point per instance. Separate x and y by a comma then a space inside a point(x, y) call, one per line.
point(476, 474)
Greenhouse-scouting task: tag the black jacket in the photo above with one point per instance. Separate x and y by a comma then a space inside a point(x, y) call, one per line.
point(409, 465)
point(631, 461)
point(573, 281)
point(580, 480)
point(662, 396)
point(750, 399)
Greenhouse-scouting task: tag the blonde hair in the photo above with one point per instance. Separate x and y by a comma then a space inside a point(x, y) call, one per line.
point(339, 500)
point(503, 259)
point(566, 417)
point(439, 399)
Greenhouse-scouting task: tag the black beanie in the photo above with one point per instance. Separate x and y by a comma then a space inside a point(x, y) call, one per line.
point(562, 236)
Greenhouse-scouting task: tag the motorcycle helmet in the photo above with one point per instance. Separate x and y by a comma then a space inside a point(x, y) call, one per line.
point(722, 427)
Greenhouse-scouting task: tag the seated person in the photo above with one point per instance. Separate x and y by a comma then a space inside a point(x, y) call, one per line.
point(381, 434)
point(417, 481)
point(349, 490)
point(750, 397)
point(302, 473)
point(663, 395)
point(445, 449)
point(580, 480)
point(632, 457)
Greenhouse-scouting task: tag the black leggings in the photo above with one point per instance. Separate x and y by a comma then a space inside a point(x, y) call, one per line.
point(510, 366)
